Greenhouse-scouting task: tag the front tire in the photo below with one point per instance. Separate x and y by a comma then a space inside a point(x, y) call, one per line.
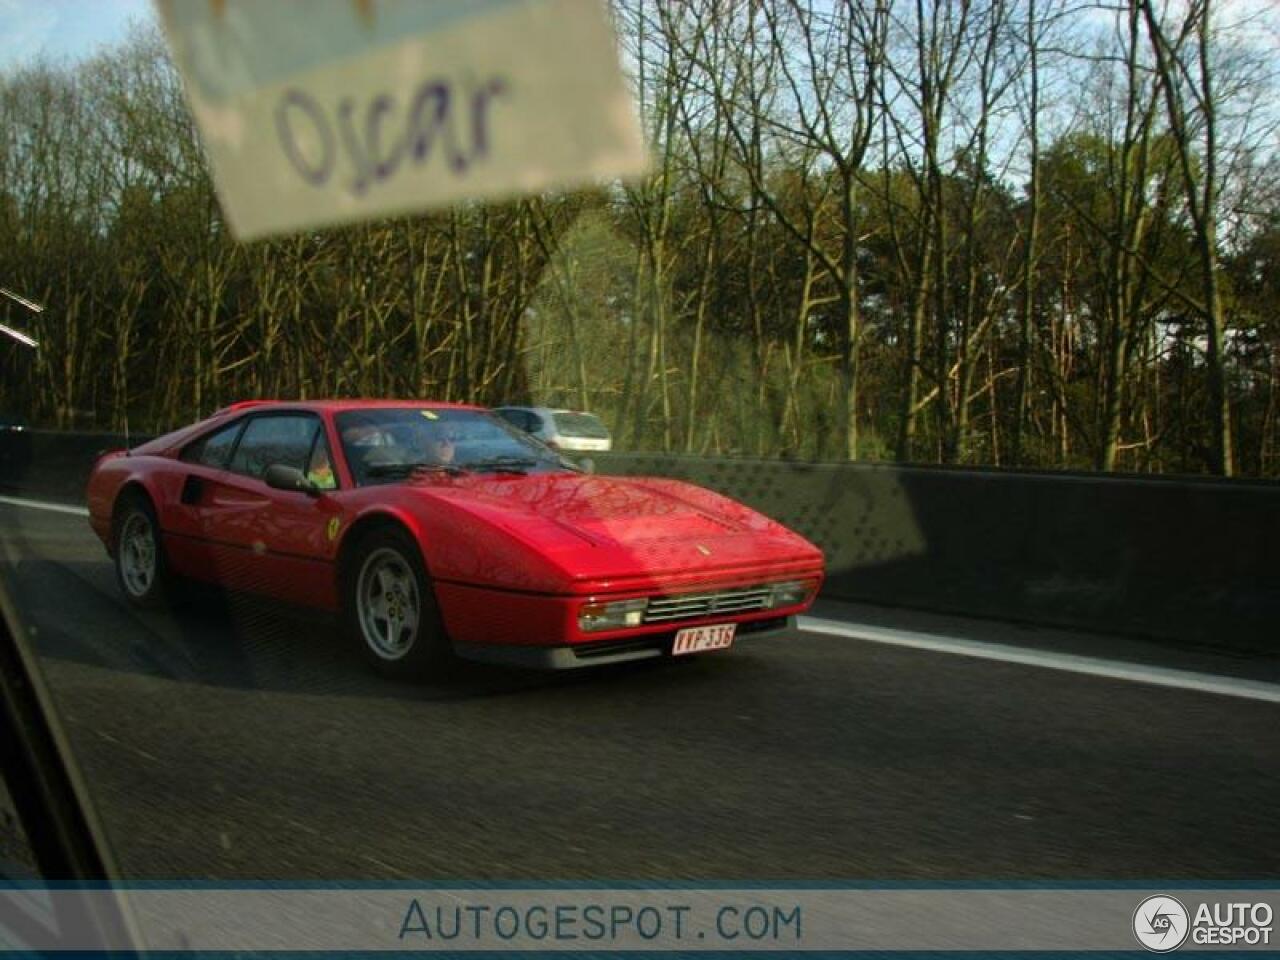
point(390, 608)
point(142, 570)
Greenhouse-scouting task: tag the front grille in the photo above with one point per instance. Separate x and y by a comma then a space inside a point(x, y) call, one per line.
point(688, 606)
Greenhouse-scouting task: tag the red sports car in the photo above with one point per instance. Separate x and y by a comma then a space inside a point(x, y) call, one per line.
point(437, 529)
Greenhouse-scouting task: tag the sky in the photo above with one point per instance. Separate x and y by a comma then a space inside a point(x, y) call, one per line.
point(76, 28)
point(58, 29)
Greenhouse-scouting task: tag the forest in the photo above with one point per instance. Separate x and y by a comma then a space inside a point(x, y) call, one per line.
point(1030, 233)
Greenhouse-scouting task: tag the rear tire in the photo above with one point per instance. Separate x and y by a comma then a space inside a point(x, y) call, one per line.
point(142, 570)
point(390, 610)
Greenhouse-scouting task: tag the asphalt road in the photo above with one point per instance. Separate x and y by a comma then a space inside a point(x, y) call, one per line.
point(245, 742)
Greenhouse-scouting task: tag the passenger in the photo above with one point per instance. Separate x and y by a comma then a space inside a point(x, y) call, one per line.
point(362, 435)
point(320, 472)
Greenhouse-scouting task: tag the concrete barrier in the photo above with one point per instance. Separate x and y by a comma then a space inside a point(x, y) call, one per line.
point(51, 463)
point(1177, 559)
point(1184, 559)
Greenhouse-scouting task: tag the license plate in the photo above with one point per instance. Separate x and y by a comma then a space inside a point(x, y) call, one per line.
point(701, 639)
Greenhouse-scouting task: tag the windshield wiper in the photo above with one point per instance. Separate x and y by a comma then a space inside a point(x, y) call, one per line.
point(505, 464)
point(410, 467)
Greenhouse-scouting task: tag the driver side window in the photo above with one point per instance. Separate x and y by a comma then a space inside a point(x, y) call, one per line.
point(279, 438)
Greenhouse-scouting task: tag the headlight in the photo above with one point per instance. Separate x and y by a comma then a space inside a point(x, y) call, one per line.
point(790, 594)
point(612, 616)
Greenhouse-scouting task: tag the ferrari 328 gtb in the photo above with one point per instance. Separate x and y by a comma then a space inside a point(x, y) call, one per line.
point(436, 530)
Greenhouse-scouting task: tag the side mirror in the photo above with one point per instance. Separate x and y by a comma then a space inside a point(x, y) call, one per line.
point(280, 476)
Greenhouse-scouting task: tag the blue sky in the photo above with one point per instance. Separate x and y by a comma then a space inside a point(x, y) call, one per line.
point(60, 29)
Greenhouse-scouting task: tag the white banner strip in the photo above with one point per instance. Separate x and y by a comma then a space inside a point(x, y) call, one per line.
point(461, 919)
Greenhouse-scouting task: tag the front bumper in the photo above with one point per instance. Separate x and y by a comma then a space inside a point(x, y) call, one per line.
point(618, 650)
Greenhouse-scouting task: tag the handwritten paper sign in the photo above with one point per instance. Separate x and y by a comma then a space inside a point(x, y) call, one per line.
point(327, 111)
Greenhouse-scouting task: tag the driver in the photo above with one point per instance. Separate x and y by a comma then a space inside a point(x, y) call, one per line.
point(439, 443)
point(363, 441)
point(362, 435)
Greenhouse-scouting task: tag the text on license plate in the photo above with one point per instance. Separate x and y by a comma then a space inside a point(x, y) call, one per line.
point(699, 639)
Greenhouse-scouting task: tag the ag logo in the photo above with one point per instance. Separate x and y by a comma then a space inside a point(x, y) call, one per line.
point(332, 528)
point(1161, 923)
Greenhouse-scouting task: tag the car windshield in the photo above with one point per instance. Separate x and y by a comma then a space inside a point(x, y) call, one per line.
point(384, 445)
point(571, 424)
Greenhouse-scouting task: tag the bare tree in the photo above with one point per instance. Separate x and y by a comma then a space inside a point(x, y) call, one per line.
point(1189, 61)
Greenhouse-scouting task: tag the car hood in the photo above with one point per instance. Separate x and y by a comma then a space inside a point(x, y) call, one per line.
point(596, 526)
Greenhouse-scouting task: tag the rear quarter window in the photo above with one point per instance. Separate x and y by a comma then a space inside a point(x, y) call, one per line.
point(213, 449)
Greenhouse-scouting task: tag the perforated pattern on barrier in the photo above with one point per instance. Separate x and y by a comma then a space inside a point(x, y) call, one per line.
point(856, 520)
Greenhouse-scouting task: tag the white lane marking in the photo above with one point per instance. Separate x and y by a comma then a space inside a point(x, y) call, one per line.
point(125, 746)
point(1069, 662)
point(385, 866)
point(43, 505)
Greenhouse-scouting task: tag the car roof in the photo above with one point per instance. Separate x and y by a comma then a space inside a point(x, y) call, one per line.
point(215, 421)
point(338, 405)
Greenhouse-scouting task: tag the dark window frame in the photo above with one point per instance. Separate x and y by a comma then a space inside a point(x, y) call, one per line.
point(520, 419)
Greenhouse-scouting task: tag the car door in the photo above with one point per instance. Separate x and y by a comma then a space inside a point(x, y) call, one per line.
point(276, 542)
point(199, 465)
